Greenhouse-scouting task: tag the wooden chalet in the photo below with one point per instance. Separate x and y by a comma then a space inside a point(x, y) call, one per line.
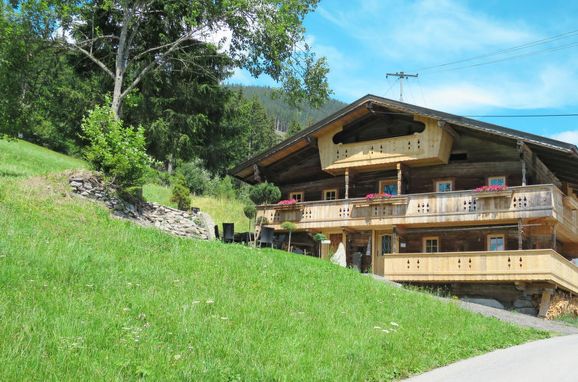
point(459, 202)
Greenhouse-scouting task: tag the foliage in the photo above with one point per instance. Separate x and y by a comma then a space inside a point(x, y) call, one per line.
point(141, 302)
point(319, 237)
point(180, 194)
point(196, 178)
point(222, 188)
point(264, 193)
point(222, 211)
point(289, 226)
point(117, 151)
point(289, 117)
point(128, 41)
point(250, 211)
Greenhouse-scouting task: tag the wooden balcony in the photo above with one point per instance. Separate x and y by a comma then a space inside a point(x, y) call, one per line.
point(459, 207)
point(533, 266)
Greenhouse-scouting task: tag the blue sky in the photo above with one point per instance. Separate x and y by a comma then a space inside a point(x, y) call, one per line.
point(365, 39)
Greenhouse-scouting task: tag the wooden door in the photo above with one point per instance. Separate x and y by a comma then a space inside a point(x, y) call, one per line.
point(384, 247)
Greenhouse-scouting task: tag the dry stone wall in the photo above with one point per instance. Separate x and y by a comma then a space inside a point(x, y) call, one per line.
point(180, 223)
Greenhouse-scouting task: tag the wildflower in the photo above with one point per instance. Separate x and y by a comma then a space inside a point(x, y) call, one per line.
point(177, 357)
point(385, 331)
point(376, 327)
point(196, 302)
point(394, 323)
point(224, 318)
point(210, 302)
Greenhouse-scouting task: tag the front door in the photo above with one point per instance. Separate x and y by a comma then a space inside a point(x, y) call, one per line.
point(384, 247)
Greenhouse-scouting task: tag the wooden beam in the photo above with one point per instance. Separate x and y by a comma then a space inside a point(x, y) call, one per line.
point(545, 302)
point(395, 241)
point(447, 128)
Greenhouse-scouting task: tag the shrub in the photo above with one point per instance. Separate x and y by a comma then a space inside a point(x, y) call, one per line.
point(196, 177)
point(265, 193)
point(117, 151)
point(222, 188)
point(180, 194)
point(250, 211)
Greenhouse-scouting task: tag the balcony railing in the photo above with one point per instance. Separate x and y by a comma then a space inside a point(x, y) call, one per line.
point(542, 265)
point(458, 206)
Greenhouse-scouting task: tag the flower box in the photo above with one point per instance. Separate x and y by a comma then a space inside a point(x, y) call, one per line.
point(493, 192)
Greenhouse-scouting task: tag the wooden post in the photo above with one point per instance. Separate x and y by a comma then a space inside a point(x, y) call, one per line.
point(520, 235)
point(399, 179)
point(545, 302)
point(394, 241)
point(554, 236)
point(523, 162)
point(346, 183)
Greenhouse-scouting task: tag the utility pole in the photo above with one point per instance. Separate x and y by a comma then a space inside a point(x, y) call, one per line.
point(401, 76)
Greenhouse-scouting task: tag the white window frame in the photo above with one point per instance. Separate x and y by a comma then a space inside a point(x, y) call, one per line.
point(441, 181)
point(384, 182)
point(431, 238)
point(334, 190)
point(494, 236)
point(300, 193)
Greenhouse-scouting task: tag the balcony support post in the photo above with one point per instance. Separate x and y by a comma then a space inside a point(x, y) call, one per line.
point(554, 237)
point(347, 183)
point(523, 162)
point(545, 302)
point(520, 234)
point(395, 241)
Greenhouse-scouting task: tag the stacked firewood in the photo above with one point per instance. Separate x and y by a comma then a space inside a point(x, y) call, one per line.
point(562, 304)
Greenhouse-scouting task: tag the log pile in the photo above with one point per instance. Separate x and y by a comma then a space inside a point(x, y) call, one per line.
point(562, 304)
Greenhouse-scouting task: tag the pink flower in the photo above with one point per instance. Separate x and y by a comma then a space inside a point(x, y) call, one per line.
point(493, 188)
point(380, 195)
point(288, 202)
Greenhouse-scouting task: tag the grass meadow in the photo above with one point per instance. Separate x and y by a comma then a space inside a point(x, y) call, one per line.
point(85, 296)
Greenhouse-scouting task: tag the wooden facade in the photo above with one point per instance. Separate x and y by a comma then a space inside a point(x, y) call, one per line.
point(437, 226)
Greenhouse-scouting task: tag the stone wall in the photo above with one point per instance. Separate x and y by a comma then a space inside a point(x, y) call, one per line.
point(180, 223)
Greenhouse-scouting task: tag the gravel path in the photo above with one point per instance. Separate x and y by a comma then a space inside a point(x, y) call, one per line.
point(504, 315)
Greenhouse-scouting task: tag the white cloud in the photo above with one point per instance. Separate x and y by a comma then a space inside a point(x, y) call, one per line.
point(567, 136)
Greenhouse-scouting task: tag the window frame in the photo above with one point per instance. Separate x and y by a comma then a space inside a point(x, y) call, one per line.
point(381, 253)
point(301, 193)
point(324, 193)
point(491, 236)
point(489, 180)
point(388, 182)
point(431, 238)
point(447, 180)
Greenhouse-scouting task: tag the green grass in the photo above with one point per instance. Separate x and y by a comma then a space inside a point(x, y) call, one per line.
point(84, 296)
point(221, 210)
point(19, 158)
point(569, 319)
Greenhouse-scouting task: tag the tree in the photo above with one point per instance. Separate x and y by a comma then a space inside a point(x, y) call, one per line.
point(250, 212)
point(265, 193)
point(129, 39)
point(290, 227)
point(294, 128)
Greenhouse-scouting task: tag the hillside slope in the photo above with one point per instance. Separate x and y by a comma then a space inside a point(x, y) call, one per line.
point(280, 110)
point(84, 296)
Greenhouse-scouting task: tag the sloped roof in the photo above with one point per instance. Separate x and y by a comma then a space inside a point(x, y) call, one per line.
point(550, 150)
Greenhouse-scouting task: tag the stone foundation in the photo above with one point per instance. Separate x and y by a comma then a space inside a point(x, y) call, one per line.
point(180, 223)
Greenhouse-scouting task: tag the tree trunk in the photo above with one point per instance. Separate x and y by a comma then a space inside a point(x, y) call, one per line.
point(120, 64)
point(289, 244)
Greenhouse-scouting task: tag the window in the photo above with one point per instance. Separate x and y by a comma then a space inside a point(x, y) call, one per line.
point(431, 244)
point(497, 181)
point(444, 185)
point(496, 243)
point(297, 196)
point(386, 245)
point(389, 186)
point(330, 194)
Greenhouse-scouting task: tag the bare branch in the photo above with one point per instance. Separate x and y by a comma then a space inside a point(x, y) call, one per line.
point(154, 63)
point(91, 57)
